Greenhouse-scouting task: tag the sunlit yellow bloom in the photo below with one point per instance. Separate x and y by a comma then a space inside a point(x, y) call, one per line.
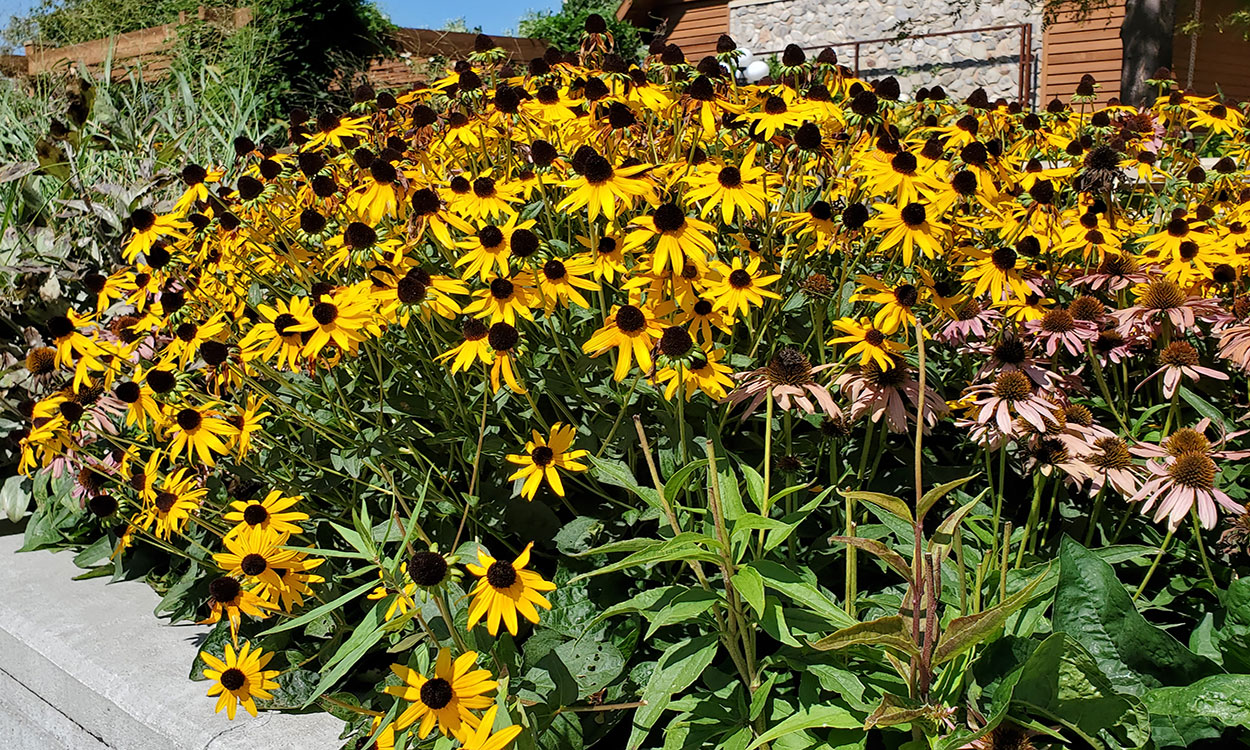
point(543, 456)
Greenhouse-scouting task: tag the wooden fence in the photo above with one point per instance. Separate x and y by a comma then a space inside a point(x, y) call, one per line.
point(150, 49)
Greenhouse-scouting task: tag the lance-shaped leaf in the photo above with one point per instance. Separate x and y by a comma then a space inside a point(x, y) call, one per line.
point(930, 498)
point(943, 538)
point(894, 505)
point(885, 631)
point(965, 632)
point(887, 555)
point(894, 711)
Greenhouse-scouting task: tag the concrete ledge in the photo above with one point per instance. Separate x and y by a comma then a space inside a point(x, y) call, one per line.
point(85, 665)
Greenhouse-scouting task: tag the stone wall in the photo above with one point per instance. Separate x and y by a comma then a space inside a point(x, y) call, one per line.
point(960, 63)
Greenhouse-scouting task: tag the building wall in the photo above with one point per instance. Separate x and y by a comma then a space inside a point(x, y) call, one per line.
point(960, 63)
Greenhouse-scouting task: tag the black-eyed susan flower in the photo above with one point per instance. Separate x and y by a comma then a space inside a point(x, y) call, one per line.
point(294, 582)
point(278, 333)
point(257, 555)
point(996, 273)
point(562, 281)
point(174, 499)
point(505, 589)
point(341, 318)
point(702, 371)
point(867, 342)
point(503, 339)
point(736, 189)
point(485, 738)
point(632, 331)
point(401, 599)
point(486, 199)
point(446, 700)
point(504, 299)
point(147, 228)
point(680, 239)
point(198, 431)
point(741, 286)
point(473, 348)
point(542, 458)
point(910, 229)
point(226, 596)
point(896, 302)
point(487, 252)
point(274, 513)
point(602, 188)
point(240, 678)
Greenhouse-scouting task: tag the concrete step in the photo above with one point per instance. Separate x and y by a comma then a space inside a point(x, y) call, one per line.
point(85, 665)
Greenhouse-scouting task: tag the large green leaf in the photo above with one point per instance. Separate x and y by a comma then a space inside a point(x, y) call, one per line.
point(1181, 716)
point(804, 593)
point(1233, 635)
point(679, 666)
point(1093, 607)
point(1062, 682)
point(884, 631)
point(824, 717)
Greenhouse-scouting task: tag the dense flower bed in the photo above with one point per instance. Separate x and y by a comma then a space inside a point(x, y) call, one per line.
point(596, 404)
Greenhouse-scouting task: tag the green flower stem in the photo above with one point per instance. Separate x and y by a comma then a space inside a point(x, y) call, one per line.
point(1167, 539)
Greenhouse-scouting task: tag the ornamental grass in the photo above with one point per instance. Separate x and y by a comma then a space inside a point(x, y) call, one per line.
point(581, 404)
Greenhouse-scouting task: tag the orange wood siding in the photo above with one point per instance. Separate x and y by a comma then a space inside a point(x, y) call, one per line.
point(695, 25)
point(1222, 62)
point(1072, 48)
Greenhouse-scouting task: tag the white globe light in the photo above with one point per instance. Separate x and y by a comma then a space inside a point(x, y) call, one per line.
point(756, 70)
point(745, 57)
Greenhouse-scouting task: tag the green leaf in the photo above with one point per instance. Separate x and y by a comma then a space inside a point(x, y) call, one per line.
point(679, 666)
point(685, 607)
point(965, 632)
point(294, 687)
point(887, 555)
point(755, 488)
point(750, 586)
point(313, 614)
point(1061, 682)
point(893, 711)
point(1205, 408)
point(679, 479)
point(364, 637)
point(889, 503)
point(592, 663)
point(617, 474)
point(683, 547)
point(931, 498)
point(943, 539)
point(354, 538)
point(786, 581)
point(888, 631)
point(1184, 715)
point(1233, 635)
point(1092, 606)
point(816, 717)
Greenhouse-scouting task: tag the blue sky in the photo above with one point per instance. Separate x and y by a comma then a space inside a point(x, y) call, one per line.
point(494, 16)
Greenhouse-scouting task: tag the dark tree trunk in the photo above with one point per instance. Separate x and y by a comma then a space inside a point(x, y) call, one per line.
point(1147, 36)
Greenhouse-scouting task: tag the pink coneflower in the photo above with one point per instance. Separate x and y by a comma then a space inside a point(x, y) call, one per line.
point(1011, 354)
point(1178, 359)
point(1235, 346)
point(1116, 272)
point(1192, 440)
point(1161, 300)
point(1012, 394)
point(1046, 454)
point(973, 321)
point(887, 393)
point(1058, 328)
point(1180, 483)
point(1113, 346)
point(1112, 464)
point(788, 378)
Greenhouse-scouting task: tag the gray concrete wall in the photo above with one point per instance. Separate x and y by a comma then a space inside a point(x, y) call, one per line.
point(959, 63)
point(85, 665)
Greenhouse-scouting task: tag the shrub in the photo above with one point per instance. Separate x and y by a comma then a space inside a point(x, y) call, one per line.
point(650, 409)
